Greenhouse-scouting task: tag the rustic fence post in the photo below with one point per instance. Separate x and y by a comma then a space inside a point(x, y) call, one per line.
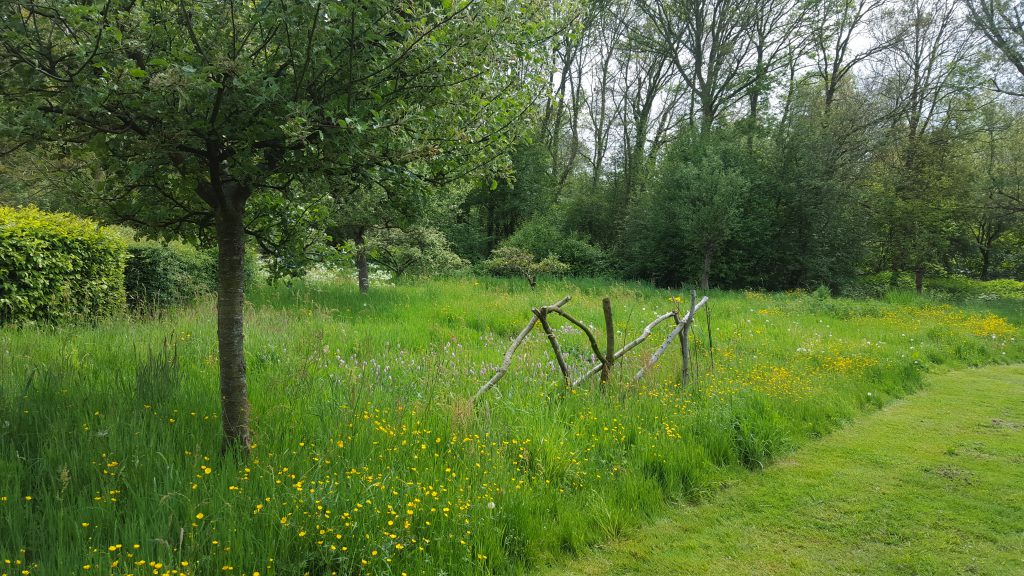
point(507, 360)
point(685, 338)
point(542, 315)
point(676, 332)
point(609, 329)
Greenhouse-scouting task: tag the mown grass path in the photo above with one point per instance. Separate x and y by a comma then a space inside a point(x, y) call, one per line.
point(933, 484)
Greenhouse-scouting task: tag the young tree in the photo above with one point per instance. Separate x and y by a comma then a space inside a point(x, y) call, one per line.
point(694, 209)
point(416, 250)
point(204, 113)
point(995, 172)
point(515, 261)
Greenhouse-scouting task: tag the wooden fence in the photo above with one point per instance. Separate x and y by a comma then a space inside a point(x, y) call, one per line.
point(607, 357)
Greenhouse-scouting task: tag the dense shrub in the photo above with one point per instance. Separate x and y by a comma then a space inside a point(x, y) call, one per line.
point(542, 236)
point(162, 274)
point(514, 261)
point(58, 267)
point(416, 250)
point(951, 288)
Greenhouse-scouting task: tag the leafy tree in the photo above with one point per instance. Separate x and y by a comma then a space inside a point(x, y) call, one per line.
point(994, 169)
point(418, 250)
point(693, 211)
point(927, 75)
point(811, 188)
point(241, 116)
point(513, 261)
point(499, 205)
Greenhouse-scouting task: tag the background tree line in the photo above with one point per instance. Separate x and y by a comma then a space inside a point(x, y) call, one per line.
point(769, 143)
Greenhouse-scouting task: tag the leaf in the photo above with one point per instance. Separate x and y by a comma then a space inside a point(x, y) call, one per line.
point(138, 73)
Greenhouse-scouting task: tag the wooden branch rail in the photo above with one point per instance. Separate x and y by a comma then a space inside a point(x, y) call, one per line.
point(586, 330)
point(610, 355)
point(643, 336)
point(512, 350)
point(609, 329)
point(542, 317)
point(684, 324)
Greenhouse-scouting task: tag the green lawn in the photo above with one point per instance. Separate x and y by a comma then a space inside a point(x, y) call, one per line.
point(933, 484)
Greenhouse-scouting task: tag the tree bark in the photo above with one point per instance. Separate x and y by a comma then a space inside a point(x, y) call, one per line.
point(986, 262)
point(919, 279)
point(684, 338)
point(362, 268)
point(706, 269)
point(542, 317)
point(234, 395)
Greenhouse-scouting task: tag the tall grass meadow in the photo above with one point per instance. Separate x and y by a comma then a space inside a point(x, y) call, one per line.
point(368, 457)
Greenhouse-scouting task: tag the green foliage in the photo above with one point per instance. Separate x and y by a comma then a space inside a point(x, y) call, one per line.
point(162, 274)
point(497, 208)
point(693, 212)
point(508, 260)
point(56, 267)
point(958, 289)
point(544, 235)
point(418, 250)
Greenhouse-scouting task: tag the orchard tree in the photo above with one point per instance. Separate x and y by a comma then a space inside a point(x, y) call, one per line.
point(508, 260)
point(236, 116)
point(416, 250)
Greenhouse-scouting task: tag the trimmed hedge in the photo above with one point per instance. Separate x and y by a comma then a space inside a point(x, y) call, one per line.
point(165, 274)
point(160, 274)
point(57, 267)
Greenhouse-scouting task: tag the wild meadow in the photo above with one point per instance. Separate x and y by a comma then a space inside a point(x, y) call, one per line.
point(369, 459)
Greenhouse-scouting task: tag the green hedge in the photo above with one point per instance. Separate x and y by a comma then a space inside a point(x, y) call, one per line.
point(58, 267)
point(163, 274)
point(160, 274)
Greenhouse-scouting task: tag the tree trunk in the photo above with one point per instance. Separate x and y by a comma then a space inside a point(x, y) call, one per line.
point(706, 270)
point(362, 268)
point(919, 279)
point(986, 262)
point(230, 303)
